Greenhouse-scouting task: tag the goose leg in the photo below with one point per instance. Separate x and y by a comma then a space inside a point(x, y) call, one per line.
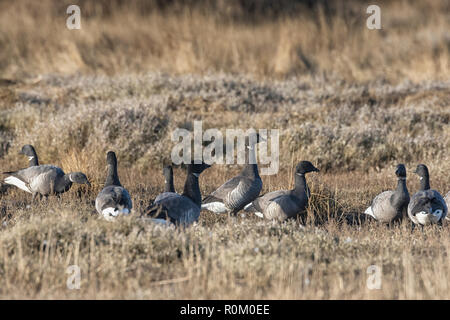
point(413, 226)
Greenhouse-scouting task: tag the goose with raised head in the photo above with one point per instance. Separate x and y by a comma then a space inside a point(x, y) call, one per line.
point(239, 191)
point(30, 152)
point(169, 187)
point(283, 204)
point(114, 199)
point(427, 206)
point(390, 206)
point(180, 209)
point(44, 180)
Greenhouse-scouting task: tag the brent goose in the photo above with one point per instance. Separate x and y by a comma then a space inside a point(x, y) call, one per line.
point(29, 151)
point(427, 206)
point(44, 180)
point(114, 199)
point(447, 201)
point(236, 193)
point(390, 206)
point(168, 179)
point(180, 209)
point(168, 183)
point(283, 204)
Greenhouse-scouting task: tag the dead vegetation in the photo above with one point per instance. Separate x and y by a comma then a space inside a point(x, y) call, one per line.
point(353, 101)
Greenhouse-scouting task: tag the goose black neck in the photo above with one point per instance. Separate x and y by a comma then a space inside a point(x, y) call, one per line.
point(192, 189)
point(300, 183)
point(112, 178)
point(251, 167)
point(401, 185)
point(169, 187)
point(63, 184)
point(34, 161)
point(425, 182)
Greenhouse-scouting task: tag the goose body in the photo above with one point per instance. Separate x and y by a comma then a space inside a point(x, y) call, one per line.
point(427, 206)
point(113, 200)
point(44, 180)
point(284, 204)
point(180, 209)
point(390, 206)
point(239, 191)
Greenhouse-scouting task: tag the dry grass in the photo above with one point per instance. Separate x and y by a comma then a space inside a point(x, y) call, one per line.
point(355, 102)
point(326, 39)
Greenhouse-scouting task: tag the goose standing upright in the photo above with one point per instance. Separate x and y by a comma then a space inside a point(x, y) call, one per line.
point(29, 151)
point(427, 206)
point(169, 188)
point(44, 180)
point(180, 209)
point(283, 204)
point(236, 193)
point(114, 199)
point(391, 206)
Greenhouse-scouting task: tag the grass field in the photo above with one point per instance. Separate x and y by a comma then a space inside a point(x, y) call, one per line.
point(353, 101)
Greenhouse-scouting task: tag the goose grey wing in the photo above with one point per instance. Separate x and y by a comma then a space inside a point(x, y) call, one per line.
point(261, 203)
point(421, 198)
point(246, 191)
point(220, 193)
point(30, 173)
point(164, 195)
point(438, 202)
point(382, 202)
point(179, 209)
point(285, 206)
point(113, 197)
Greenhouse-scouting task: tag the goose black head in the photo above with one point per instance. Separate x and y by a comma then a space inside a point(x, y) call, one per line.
point(197, 168)
point(305, 167)
point(79, 177)
point(111, 158)
point(400, 171)
point(421, 170)
point(28, 150)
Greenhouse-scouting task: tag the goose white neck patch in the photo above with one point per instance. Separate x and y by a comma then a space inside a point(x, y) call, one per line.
point(30, 158)
point(70, 177)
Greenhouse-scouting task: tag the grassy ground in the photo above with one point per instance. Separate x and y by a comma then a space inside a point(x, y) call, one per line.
point(353, 110)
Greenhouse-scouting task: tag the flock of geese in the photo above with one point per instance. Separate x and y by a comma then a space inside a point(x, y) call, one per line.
point(241, 192)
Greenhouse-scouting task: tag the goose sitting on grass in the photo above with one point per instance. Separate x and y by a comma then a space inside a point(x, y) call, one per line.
point(427, 206)
point(391, 206)
point(114, 199)
point(180, 209)
point(283, 204)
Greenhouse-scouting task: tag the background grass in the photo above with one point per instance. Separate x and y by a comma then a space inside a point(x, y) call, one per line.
point(353, 101)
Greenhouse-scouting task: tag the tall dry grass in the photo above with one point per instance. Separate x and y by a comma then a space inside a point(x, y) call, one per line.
point(353, 101)
point(328, 38)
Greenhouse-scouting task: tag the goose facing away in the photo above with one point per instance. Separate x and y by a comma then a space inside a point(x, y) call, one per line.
point(114, 199)
point(180, 209)
point(29, 151)
point(44, 180)
point(427, 206)
point(283, 204)
point(390, 206)
point(239, 191)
